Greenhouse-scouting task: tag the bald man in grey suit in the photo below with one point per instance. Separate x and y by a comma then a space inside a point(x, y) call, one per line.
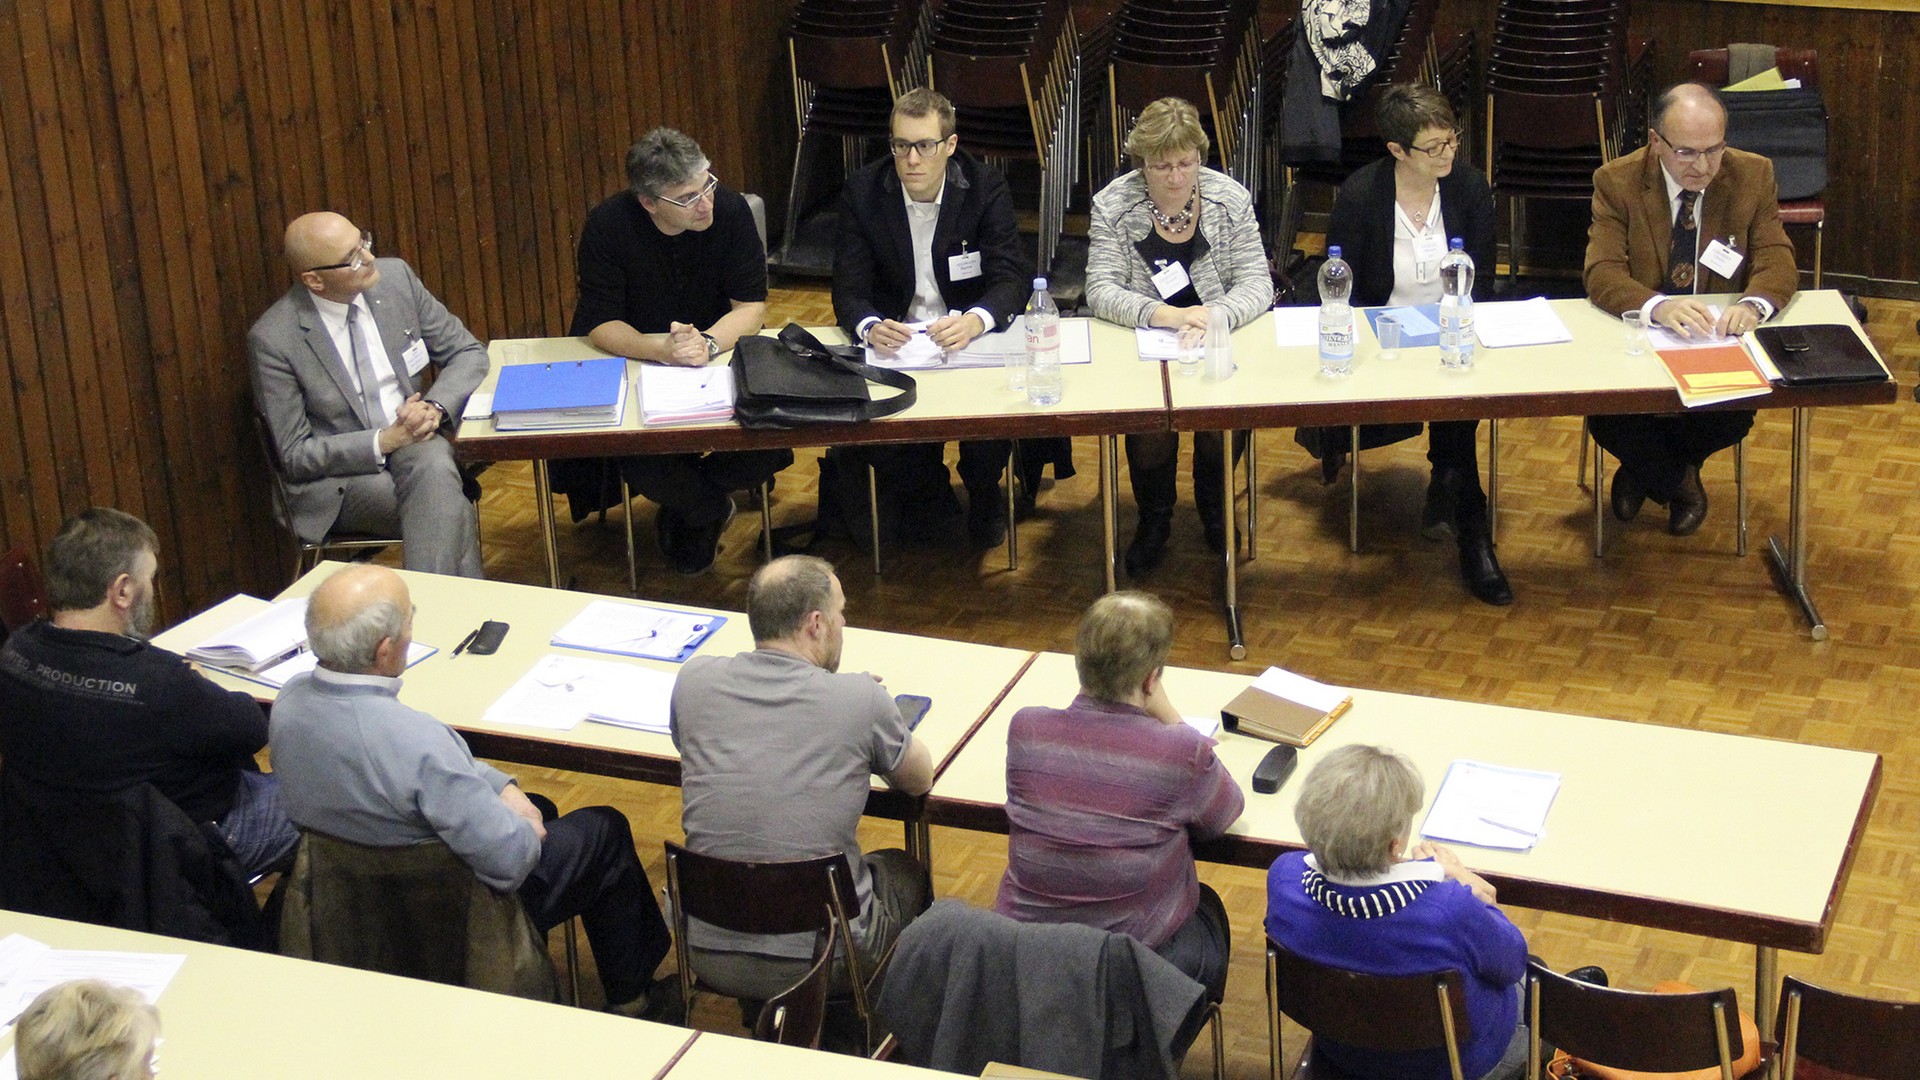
point(336, 372)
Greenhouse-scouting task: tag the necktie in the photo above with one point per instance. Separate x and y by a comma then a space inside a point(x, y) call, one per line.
point(1686, 240)
point(362, 365)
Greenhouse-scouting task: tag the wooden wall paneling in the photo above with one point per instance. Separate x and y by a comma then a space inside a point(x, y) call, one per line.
point(502, 87)
point(557, 160)
point(16, 329)
point(477, 170)
point(457, 225)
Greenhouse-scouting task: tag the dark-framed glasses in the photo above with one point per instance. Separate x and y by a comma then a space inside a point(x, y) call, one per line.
point(361, 256)
point(687, 202)
point(1687, 155)
point(923, 147)
point(1445, 146)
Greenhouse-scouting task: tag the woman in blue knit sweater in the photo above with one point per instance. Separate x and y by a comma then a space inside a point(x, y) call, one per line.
point(1365, 900)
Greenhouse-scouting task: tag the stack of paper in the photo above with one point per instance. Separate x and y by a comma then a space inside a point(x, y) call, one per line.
point(1491, 806)
point(987, 350)
point(259, 642)
point(685, 395)
point(567, 393)
point(29, 967)
point(561, 691)
point(1706, 370)
point(1502, 324)
point(637, 630)
point(304, 661)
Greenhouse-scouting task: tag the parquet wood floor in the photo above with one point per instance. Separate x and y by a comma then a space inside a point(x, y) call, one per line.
point(1662, 630)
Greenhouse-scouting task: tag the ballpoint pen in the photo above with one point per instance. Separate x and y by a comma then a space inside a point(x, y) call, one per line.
point(1510, 828)
point(466, 641)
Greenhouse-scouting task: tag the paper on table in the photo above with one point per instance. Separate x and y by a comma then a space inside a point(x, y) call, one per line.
point(479, 406)
point(918, 352)
point(992, 350)
point(1296, 326)
point(1157, 342)
point(561, 691)
point(684, 395)
point(1491, 806)
point(258, 642)
point(149, 973)
point(304, 661)
point(1662, 338)
point(1503, 324)
point(634, 630)
point(1282, 683)
point(1205, 725)
point(1413, 320)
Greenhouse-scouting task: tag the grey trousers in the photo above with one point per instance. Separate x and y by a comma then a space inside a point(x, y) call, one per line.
point(419, 496)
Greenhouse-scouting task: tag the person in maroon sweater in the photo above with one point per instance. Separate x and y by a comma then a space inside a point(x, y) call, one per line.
point(1105, 797)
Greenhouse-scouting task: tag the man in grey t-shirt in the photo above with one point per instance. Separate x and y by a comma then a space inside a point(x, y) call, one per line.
point(777, 753)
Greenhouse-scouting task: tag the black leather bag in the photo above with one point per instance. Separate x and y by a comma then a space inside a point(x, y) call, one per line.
point(793, 381)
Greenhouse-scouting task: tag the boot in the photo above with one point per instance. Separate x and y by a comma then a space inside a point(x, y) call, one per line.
point(1479, 568)
point(1149, 544)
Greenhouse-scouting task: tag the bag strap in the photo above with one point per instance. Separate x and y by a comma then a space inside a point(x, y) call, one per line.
point(801, 340)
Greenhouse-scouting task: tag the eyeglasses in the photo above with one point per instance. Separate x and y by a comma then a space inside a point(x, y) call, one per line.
point(924, 147)
point(688, 202)
point(1687, 155)
point(362, 255)
point(1445, 146)
point(1168, 168)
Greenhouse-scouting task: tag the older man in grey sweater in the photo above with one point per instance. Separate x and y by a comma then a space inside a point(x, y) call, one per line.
point(356, 764)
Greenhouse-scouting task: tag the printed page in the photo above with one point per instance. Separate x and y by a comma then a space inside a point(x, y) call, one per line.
point(1491, 806)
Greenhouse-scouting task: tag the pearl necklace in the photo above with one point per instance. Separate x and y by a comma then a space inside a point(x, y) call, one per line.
point(1175, 223)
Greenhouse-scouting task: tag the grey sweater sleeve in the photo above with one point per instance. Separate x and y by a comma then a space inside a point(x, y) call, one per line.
point(458, 798)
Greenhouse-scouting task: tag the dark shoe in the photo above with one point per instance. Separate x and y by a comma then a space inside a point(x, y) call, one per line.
point(1592, 974)
point(1213, 527)
point(1627, 495)
point(661, 1004)
point(1149, 544)
point(1688, 507)
point(1330, 463)
point(1436, 519)
point(697, 546)
point(1481, 571)
point(986, 518)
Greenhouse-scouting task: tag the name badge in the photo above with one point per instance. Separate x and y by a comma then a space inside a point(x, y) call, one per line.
point(1171, 279)
point(963, 266)
point(1721, 259)
point(1427, 251)
point(415, 356)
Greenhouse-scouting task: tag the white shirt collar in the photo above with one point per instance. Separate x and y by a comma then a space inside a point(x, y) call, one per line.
point(349, 678)
point(907, 196)
point(1419, 870)
point(1673, 194)
point(335, 312)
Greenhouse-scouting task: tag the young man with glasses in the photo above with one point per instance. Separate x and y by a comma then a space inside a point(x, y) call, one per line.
point(672, 271)
point(337, 365)
point(1683, 216)
point(928, 244)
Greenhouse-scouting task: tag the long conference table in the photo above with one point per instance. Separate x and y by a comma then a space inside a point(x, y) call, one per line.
point(230, 1012)
point(1642, 832)
point(1274, 386)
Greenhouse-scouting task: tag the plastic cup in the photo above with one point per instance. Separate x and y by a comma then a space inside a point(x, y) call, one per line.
point(1016, 368)
point(515, 352)
point(1192, 350)
point(1633, 326)
point(1388, 331)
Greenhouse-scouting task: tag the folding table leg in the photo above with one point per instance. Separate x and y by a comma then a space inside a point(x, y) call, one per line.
point(543, 499)
point(1109, 497)
point(1790, 560)
point(1236, 642)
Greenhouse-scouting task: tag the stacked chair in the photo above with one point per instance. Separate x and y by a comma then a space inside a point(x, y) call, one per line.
point(1565, 94)
point(1206, 51)
point(849, 60)
point(1012, 70)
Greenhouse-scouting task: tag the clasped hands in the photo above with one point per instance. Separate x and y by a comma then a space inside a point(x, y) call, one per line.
point(415, 422)
point(949, 332)
point(1690, 318)
point(1453, 868)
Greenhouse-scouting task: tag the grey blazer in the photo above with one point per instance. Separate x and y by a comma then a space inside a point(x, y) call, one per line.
point(313, 414)
point(1229, 265)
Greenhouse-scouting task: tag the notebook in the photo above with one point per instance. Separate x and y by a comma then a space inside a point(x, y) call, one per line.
point(1284, 707)
point(1824, 353)
point(568, 393)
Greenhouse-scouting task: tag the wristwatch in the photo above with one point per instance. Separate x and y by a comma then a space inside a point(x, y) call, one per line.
point(713, 346)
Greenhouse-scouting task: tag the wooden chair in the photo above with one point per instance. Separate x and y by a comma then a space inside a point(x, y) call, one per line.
point(23, 594)
point(310, 554)
point(1625, 1029)
point(795, 1016)
point(1404, 1013)
point(803, 896)
point(1866, 1038)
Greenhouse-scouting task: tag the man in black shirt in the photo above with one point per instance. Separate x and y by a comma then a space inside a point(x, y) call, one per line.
point(672, 271)
point(87, 705)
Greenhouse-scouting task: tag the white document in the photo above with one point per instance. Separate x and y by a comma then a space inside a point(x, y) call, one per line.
point(1502, 324)
point(149, 973)
point(1205, 725)
point(919, 352)
point(1296, 326)
point(560, 691)
point(1491, 806)
point(632, 630)
point(1662, 338)
point(479, 406)
point(1282, 683)
point(259, 642)
point(1157, 342)
point(304, 661)
point(670, 394)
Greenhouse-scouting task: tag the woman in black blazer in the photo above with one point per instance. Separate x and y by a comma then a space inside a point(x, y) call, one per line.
point(1393, 219)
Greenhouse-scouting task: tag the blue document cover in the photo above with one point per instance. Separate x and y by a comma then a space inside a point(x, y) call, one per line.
point(1420, 325)
point(567, 385)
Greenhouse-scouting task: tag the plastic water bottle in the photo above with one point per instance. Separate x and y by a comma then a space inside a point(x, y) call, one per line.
point(1456, 308)
point(1336, 316)
point(1043, 346)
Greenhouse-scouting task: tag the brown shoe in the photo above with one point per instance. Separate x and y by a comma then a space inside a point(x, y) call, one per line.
point(1688, 507)
point(1627, 495)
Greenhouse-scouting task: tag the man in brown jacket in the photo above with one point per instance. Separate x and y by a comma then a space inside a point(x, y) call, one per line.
point(1683, 216)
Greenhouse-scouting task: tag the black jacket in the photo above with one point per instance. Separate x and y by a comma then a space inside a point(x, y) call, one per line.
point(873, 254)
point(1362, 224)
